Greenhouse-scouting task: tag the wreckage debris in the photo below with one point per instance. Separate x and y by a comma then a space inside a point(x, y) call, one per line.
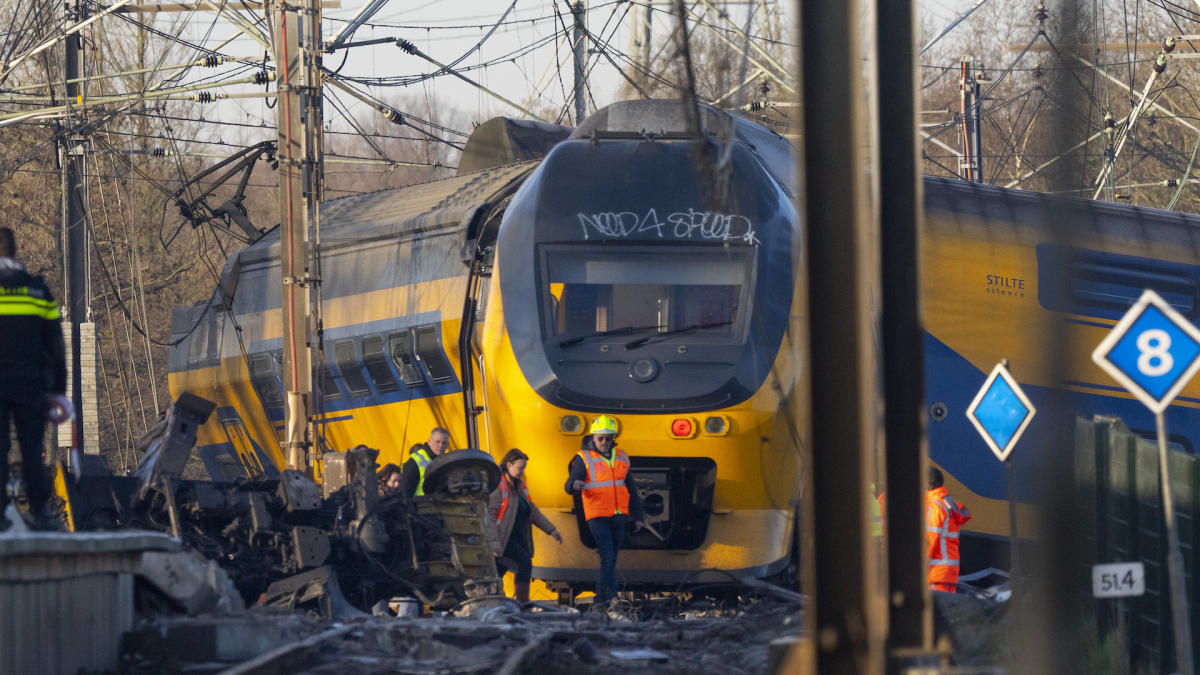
point(336, 575)
point(337, 549)
point(522, 642)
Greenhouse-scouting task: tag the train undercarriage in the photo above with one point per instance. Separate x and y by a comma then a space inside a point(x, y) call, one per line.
point(337, 547)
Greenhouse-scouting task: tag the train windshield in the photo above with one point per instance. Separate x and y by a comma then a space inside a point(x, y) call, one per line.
point(649, 293)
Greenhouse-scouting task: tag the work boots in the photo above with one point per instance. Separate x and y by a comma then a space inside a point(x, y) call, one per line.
point(521, 592)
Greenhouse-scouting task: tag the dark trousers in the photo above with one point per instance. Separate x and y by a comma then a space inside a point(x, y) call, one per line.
point(609, 534)
point(30, 421)
point(521, 559)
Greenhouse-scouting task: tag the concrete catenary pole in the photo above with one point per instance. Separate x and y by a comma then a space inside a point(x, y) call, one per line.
point(75, 239)
point(580, 51)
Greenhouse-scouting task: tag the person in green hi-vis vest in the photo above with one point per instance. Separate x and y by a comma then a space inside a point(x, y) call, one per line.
point(419, 457)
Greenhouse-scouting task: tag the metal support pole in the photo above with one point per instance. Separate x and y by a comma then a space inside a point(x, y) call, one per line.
point(976, 127)
point(1014, 539)
point(647, 38)
point(972, 162)
point(580, 51)
point(312, 99)
point(841, 237)
point(299, 127)
point(1178, 586)
point(75, 237)
point(910, 625)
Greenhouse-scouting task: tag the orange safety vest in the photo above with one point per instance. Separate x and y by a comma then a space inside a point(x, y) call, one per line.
point(604, 494)
point(943, 518)
point(504, 496)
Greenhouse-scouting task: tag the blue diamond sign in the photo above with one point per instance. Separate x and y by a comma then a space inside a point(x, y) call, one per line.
point(1153, 351)
point(1000, 412)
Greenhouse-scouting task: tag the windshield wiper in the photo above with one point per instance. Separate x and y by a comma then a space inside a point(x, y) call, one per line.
point(638, 342)
point(603, 333)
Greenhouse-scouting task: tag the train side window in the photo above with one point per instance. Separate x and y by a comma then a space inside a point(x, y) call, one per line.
point(216, 324)
point(402, 356)
point(347, 366)
point(429, 349)
point(329, 388)
point(376, 363)
point(198, 343)
point(262, 376)
point(1096, 283)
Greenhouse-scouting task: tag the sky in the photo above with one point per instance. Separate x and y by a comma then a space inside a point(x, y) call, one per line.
point(521, 60)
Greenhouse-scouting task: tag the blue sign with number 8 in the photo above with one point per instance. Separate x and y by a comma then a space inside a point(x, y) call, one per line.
point(1153, 351)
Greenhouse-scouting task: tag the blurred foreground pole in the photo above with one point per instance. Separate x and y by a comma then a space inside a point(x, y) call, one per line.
point(848, 618)
point(910, 620)
point(1053, 590)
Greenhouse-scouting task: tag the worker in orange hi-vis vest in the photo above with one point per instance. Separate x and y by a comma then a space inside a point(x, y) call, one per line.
point(943, 519)
point(598, 474)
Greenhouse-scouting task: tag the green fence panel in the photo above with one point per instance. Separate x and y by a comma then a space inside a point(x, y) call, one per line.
point(1117, 474)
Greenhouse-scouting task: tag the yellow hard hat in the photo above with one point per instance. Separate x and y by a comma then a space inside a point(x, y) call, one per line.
point(603, 425)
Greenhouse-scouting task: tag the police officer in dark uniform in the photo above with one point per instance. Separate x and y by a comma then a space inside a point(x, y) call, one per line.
point(34, 377)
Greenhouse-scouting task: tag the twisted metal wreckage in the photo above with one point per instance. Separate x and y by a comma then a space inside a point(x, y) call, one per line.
point(337, 548)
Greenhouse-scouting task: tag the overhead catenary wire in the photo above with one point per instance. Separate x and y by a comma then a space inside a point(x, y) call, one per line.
point(7, 67)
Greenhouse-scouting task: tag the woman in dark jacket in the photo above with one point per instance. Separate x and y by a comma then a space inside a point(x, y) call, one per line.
point(389, 480)
point(515, 515)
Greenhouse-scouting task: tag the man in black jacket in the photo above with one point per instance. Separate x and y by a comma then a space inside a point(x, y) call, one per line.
point(34, 375)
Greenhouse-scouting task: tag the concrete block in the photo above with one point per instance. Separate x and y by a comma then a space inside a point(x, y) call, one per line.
point(199, 585)
point(67, 598)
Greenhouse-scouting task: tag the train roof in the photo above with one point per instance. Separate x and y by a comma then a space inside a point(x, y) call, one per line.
point(990, 201)
point(441, 205)
point(670, 117)
point(504, 140)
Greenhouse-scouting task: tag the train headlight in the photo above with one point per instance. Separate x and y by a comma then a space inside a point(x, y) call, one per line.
point(717, 425)
point(643, 370)
point(571, 425)
point(683, 427)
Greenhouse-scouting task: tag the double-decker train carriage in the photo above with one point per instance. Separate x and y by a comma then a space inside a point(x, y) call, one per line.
point(994, 280)
point(644, 268)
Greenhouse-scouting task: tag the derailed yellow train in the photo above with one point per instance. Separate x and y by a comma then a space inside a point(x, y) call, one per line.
point(643, 268)
point(630, 273)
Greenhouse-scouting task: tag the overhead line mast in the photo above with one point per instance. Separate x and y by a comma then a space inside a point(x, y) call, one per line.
point(579, 50)
point(74, 223)
point(296, 38)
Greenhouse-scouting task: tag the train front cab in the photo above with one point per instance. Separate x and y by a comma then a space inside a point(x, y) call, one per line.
point(618, 288)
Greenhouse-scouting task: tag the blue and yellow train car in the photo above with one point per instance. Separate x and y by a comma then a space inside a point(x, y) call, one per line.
point(644, 269)
point(394, 284)
point(994, 281)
